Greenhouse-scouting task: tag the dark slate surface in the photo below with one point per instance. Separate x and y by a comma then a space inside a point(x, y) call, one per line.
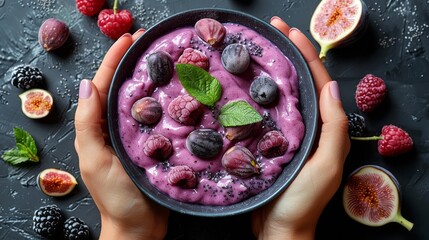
point(395, 47)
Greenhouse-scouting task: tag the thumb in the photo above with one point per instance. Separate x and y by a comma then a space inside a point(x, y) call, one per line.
point(88, 123)
point(334, 142)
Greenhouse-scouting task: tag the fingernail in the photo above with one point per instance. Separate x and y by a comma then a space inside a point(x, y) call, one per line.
point(139, 30)
point(275, 18)
point(125, 35)
point(85, 89)
point(294, 29)
point(335, 90)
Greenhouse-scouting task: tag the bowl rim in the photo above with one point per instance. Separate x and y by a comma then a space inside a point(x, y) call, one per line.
point(138, 174)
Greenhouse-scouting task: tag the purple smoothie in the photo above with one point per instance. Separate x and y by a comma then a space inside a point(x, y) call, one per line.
point(215, 186)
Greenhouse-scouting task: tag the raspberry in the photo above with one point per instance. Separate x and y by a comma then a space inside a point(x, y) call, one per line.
point(47, 220)
point(356, 124)
point(182, 176)
point(75, 228)
point(26, 77)
point(157, 146)
point(394, 141)
point(370, 92)
point(89, 7)
point(195, 57)
point(114, 24)
point(185, 109)
point(273, 144)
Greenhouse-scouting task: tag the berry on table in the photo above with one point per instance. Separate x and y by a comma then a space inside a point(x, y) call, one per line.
point(392, 141)
point(113, 22)
point(47, 220)
point(89, 7)
point(370, 92)
point(356, 124)
point(26, 77)
point(75, 228)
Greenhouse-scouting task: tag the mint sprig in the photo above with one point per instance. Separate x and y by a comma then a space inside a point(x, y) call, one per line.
point(238, 113)
point(25, 150)
point(199, 84)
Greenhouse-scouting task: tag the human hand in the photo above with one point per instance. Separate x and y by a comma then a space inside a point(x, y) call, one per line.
point(125, 212)
point(294, 214)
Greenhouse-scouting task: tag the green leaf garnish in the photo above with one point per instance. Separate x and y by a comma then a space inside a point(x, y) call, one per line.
point(199, 84)
point(238, 113)
point(25, 150)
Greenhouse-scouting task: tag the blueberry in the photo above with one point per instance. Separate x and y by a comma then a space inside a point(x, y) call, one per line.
point(160, 67)
point(235, 58)
point(204, 143)
point(264, 90)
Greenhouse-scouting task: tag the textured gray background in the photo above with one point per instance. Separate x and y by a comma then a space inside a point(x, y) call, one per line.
point(395, 47)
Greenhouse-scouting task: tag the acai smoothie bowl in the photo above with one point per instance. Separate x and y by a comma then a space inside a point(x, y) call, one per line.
point(212, 112)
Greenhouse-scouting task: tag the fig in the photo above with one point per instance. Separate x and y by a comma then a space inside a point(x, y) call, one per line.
point(337, 23)
point(55, 182)
point(371, 196)
point(210, 30)
point(36, 103)
point(146, 110)
point(53, 33)
point(238, 133)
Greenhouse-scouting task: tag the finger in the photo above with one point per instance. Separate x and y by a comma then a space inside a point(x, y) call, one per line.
point(89, 133)
point(334, 143)
point(317, 68)
point(280, 25)
point(104, 75)
point(138, 33)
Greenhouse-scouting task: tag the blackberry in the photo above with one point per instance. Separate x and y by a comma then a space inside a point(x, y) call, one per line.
point(26, 77)
point(47, 220)
point(356, 125)
point(75, 229)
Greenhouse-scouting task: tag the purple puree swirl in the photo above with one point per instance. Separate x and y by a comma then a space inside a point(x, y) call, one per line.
point(215, 186)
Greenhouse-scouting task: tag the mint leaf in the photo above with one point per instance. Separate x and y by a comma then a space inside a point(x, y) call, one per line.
point(25, 150)
point(238, 113)
point(14, 156)
point(24, 138)
point(199, 84)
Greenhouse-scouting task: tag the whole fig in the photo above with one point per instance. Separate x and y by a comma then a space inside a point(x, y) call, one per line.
point(53, 33)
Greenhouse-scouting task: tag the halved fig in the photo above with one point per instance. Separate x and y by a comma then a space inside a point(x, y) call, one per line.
point(56, 183)
point(336, 23)
point(36, 103)
point(371, 196)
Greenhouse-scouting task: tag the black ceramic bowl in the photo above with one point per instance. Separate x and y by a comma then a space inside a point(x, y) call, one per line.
point(308, 108)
